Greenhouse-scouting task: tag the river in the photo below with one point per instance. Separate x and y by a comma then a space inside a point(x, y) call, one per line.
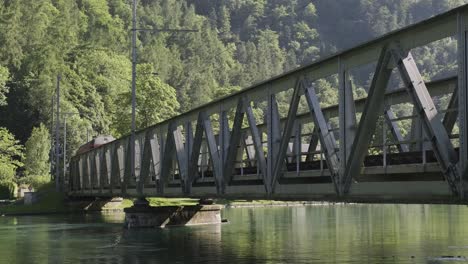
point(352, 233)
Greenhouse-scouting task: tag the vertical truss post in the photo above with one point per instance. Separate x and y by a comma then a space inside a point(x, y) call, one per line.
point(80, 165)
point(433, 127)
point(84, 173)
point(93, 170)
point(249, 149)
point(146, 160)
point(417, 132)
point(347, 119)
point(181, 157)
point(297, 144)
point(108, 165)
point(115, 168)
point(162, 152)
point(99, 168)
point(223, 144)
point(103, 178)
point(273, 139)
point(135, 178)
point(129, 172)
point(167, 157)
point(88, 173)
point(327, 139)
point(367, 125)
point(462, 93)
point(223, 136)
point(188, 153)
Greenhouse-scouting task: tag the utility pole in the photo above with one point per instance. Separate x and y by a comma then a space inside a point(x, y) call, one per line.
point(57, 138)
point(52, 137)
point(64, 147)
point(134, 66)
point(65, 142)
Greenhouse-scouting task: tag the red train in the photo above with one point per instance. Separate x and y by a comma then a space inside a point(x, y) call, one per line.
point(94, 143)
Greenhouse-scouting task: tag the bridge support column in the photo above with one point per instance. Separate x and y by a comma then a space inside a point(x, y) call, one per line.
point(142, 215)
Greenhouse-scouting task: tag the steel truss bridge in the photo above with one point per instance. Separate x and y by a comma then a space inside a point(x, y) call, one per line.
point(226, 149)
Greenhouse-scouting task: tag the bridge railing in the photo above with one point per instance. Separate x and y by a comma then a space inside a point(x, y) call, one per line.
point(244, 143)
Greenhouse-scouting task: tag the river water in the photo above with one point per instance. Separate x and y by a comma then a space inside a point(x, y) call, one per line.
point(314, 234)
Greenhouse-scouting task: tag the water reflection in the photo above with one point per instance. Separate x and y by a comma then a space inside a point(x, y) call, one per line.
point(318, 234)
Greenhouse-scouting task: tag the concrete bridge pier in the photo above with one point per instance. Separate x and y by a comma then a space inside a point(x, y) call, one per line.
point(142, 215)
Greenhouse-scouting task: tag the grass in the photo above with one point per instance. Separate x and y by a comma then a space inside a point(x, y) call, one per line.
point(50, 201)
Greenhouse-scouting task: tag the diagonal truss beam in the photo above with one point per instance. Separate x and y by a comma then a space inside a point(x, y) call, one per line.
point(236, 137)
point(327, 139)
point(273, 141)
point(314, 140)
point(287, 133)
point(150, 143)
point(424, 106)
point(395, 130)
point(433, 127)
point(367, 125)
point(257, 141)
point(204, 126)
point(462, 94)
point(450, 118)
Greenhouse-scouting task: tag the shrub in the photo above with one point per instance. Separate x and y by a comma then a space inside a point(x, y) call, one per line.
point(36, 181)
point(7, 190)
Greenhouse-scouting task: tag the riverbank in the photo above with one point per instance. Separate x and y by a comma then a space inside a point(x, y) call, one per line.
point(52, 202)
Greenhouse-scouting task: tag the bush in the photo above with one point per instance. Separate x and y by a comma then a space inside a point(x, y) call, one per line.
point(36, 181)
point(7, 190)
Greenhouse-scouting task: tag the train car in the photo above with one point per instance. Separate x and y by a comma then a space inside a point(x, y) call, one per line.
point(94, 143)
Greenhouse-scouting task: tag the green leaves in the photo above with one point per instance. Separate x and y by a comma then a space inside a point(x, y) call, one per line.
point(11, 153)
point(156, 102)
point(4, 76)
point(37, 152)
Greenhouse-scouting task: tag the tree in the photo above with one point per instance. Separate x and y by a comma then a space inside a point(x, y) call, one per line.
point(37, 152)
point(156, 102)
point(11, 153)
point(4, 75)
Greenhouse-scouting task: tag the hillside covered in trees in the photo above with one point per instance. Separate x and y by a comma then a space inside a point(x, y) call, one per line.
point(238, 43)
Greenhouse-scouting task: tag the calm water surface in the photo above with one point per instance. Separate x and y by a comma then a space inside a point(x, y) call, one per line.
point(315, 234)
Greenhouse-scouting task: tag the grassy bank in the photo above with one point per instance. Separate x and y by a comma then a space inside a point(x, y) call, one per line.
point(51, 202)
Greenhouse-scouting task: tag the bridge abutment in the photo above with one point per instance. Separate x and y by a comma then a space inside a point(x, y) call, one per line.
point(142, 215)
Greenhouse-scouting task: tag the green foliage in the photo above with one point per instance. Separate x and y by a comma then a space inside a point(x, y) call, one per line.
point(7, 190)
point(156, 102)
point(4, 76)
point(37, 150)
point(238, 43)
point(50, 201)
point(11, 153)
point(36, 181)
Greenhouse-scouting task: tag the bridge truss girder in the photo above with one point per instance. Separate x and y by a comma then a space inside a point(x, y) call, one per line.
point(171, 147)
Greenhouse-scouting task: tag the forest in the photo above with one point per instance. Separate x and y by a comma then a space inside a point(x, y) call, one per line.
point(238, 43)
